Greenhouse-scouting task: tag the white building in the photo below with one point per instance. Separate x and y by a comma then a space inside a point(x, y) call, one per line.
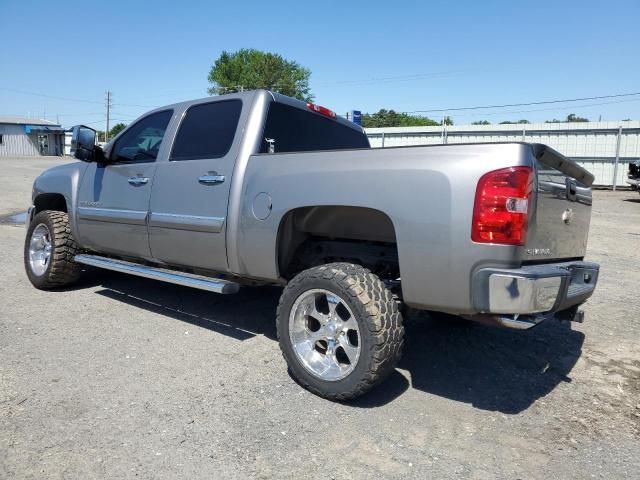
point(26, 137)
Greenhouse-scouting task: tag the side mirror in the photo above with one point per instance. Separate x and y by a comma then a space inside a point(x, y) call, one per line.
point(83, 144)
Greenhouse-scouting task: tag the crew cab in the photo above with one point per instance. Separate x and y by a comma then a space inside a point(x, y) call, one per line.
point(256, 188)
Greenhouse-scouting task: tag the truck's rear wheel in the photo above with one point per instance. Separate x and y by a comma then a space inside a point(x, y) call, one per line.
point(340, 330)
point(49, 249)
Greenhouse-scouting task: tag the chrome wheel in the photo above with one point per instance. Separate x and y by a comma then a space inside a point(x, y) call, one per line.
point(324, 334)
point(40, 248)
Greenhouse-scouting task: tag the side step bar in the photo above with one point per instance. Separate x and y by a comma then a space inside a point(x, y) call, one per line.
point(164, 275)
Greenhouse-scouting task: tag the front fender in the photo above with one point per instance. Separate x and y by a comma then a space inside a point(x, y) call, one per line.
point(61, 180)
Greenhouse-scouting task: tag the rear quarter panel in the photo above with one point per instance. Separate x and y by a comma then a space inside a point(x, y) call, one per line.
point(427, 192)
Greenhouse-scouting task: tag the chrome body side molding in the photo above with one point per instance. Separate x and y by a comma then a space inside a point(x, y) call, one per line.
point(129, 217)
point(186, 222)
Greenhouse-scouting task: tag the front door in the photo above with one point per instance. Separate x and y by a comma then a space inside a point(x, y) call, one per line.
point(113, 200)
point(190, 192)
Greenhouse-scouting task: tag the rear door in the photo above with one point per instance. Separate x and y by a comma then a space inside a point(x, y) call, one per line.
point(113, 199)
point(190, 192)
point(559, 226)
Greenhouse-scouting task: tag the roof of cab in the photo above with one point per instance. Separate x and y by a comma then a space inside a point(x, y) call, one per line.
point(250, 95)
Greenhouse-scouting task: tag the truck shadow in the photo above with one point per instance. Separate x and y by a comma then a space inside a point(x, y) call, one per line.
point(489, 368)
point(241, 316)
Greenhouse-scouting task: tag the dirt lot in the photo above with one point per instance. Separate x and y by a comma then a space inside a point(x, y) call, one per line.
point(123, 377)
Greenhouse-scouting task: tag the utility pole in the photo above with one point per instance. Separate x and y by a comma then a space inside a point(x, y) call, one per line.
point(615, 167)
point(109, 105)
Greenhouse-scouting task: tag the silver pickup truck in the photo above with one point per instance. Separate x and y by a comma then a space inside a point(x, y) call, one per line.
point(257, 188)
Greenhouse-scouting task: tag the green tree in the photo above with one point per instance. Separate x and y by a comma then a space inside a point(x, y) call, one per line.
point(117, 128)
point(391, 118)
point(447, 121)
point(571, 118)
point(481, 122)
point(509, 122)
point(249, 69)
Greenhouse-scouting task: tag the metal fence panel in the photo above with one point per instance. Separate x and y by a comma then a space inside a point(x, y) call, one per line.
point(593, 145)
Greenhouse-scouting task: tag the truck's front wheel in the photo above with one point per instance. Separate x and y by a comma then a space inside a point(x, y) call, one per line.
point(49, 249)
point(340, 330)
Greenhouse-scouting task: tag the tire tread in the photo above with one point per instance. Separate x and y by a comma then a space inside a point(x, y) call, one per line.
point(64, 270)
point(384, 322)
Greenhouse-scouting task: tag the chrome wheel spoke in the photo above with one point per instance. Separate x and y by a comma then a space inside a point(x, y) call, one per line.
point(331, 350)
point(40, 248)
point(333, 301)
point(350, 351)
point(321, 338)
point(350, 324)
point(315, 337)
point(312, 310)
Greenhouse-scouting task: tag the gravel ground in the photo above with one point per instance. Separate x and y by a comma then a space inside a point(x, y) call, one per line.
point(123, 377)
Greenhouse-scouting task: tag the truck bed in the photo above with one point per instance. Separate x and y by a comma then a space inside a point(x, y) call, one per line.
point(428, 195)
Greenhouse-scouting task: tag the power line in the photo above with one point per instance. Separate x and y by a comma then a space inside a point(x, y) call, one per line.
point(546, 102)
point(572, 107)
point(101, 121)
point(125, 115)
point(190, 94)
point(136, 105)
point(397, 78)
point(68, 99)
point(90, 114)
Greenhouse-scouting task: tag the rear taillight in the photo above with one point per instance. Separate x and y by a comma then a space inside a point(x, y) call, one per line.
point(501, 209)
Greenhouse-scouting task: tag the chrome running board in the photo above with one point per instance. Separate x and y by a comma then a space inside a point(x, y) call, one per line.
point(216, 285)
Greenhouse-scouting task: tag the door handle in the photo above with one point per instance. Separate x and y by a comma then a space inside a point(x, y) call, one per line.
point(137, 181)
point(571, 189)
point(211, 178)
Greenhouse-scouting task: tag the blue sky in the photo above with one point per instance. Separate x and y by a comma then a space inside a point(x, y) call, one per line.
point(363, 55)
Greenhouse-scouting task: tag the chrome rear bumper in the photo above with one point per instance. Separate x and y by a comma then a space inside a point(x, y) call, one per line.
point(534, 289)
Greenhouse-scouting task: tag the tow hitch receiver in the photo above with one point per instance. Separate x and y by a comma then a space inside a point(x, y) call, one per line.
point(572, 314)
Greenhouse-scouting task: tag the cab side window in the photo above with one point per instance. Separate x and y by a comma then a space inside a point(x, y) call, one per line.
point(207, 131)
point(141, 142)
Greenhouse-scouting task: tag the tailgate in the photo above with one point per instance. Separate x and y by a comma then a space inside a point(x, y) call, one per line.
point(559, 224)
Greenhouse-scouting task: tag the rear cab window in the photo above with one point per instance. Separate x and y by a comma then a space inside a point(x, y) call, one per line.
point(292, 129)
